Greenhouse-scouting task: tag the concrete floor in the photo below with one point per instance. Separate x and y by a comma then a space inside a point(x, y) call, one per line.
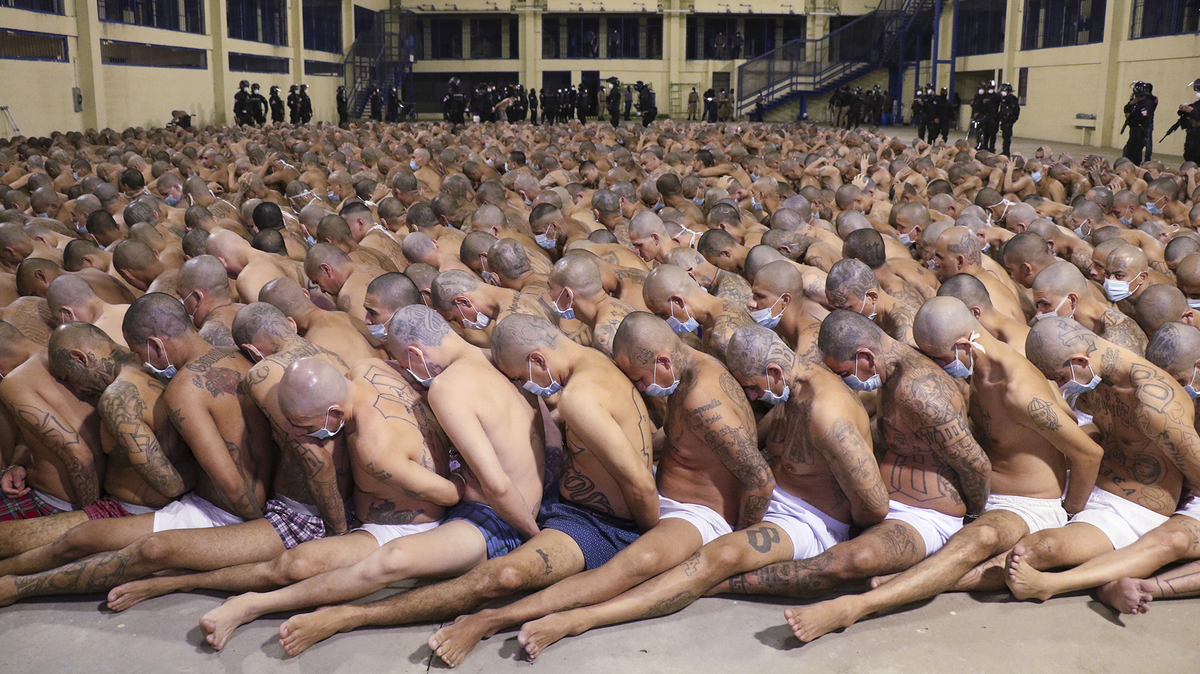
point(954, 634)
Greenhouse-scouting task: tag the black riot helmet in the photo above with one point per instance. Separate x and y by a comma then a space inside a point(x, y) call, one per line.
point(1141, 88)
point(243, 84)
point(1195, 84)
point(1006, 87)
point(255, 87)
point(274, 89)
point(293, 88)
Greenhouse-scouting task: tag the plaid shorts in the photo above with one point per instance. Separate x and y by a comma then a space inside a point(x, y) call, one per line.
point(501, 538)
point(109, 507)
point(293, 521)
point(26, 507)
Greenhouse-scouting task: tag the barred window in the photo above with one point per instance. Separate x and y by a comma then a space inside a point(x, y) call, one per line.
point(981, 27)
point(257, 21)
point(254, 63)
point(1062, 23)
point(19, 44)
point(182, 15)
point(323, 25)
point(117, 53)
point(45, 6)
point(1152, 18)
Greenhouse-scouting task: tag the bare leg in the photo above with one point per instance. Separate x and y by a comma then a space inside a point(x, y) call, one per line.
point(669, 592)
point(994, 532)
point(86, 538)
point(304, 561)
point(884, 548)
point(458, 545)
point(543, 560)
point(664, 546)
point(198, 549)
point(17, 536)
point(1131, 595)
point(1177, 538)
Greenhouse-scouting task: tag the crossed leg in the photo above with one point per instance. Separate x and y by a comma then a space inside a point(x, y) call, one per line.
point(1177, 538)
point(664, 546)
point(86, 538)
point(17, 536)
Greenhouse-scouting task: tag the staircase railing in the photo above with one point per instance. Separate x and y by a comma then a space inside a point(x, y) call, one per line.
point(380, 57)
point(814, 67)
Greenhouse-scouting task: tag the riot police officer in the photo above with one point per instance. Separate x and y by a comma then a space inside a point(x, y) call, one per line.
point(258, 105)
point(647, 104)
point(305, 105)
point(293, 103)
point(277, 105)
point(454, 104)
point(343, 107)
point(1190, 115)
point(533, 106)
point(241, 104)
point(920, 113)
point(1009, 112)
point(614, 101)
point(1138, 117)
point(991, 117)
point(945, 113)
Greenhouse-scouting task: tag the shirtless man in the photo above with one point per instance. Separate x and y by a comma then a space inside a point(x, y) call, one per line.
point(339, 277)
point(35, 275)
point(336, 331)
point(971, 292)
point(204, 288)
point(1030, 440)
point(500, 442)
point(714, 281)
point(1149, 415)
point(851, 285)
point(229, 438)
point(461, 297)
point(607, 486)
point(1161, 304)
point(958, 252)
point(418, 247)
point(866, 245)
point(70, 299)
point(1118, 574)
point(777, 302)
point(510, 263)
point(334, 231)
point(1063, 244)
point(578, 291)
point(826, 481)
point(936, 471)
point(673, 295)
point(649, 237)
point(371, 235)
point(622, 282)
point(386, 295)
point(251, 268)
point(1127, 275)
point(1061, 290)
point(147, 465)
point(722, 250)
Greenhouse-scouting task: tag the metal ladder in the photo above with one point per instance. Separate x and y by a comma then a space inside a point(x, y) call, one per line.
point(12, 123)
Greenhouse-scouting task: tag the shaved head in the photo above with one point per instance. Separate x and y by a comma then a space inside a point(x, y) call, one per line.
point(309, 387)
point(844, 333)
point(415, 325)
point(286, 295)
point(449, 285)
point(518, 335)
point(849, 278)
point(257, 318)
point(642, 336)
point(1175, 348)
point(668, 281)
point(1158, 305)
point(752, 348)
point(580, 273)
point(968, 289)
point(941, 323)
point(1055, 340)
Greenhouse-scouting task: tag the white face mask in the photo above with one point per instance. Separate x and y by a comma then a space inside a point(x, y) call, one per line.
point(1083, 232)
point(324, 433)
point(655, 391)
point(1054, 312)
point(378, 331)
point(545, 241)
point(424, 381)
point(1190, 387)
point(873, 314)
point(538, 389)
point(1073, 389)
point(905, 239)
point(481, 320)
point(1037, 176)
point(870, 384)
point(767, 396)
point(955, 368)
point(569, 312)
point(690, 325)
point(1117, 290)
point(166, 373)
point(764, 318)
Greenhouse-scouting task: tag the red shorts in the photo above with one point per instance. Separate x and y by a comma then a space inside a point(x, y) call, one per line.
point(25, 507)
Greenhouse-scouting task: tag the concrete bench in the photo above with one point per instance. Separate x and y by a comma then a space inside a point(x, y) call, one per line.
point(1086, 123)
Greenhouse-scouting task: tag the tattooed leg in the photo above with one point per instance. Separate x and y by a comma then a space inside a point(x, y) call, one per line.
point(668, 592)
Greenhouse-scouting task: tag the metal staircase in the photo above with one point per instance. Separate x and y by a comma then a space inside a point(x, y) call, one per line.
point(806, 67)
point(381, 57)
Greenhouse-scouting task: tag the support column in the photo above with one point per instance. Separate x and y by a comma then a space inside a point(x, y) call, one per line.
point(219, 63)
point(530, 47)
point(90, 66)
point(1116, 21)
point(675, 40)
point(296, 38)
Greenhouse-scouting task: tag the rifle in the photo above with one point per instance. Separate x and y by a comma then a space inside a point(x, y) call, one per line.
point(1175, 127)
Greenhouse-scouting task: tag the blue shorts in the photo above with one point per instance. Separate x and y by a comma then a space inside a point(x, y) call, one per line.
point(500, 537)
point(598, 535)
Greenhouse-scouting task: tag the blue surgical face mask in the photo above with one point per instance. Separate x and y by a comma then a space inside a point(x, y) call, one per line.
point(166, 373)
point(1128, 222)
point(764, 318)
point(1152, 206)
point(545, 241)
point(1037, 176)
point(690, 325)
point(324, 433)
point(481, 320)
point(569, 312)
point(756, 205)
point(1073, 389)
point(308, 238)
point(1190, 388)
point(699, 201)
point(539, 390)
point(378, 331)
point(172, 201)
point(905, 239)
point(770, 398)
point(423, 381)
point(412, 165)
point(655, 391)
point(870, 384)
point(332, 197)
point(1193, 303)
point(956, 369)
point(873, 314)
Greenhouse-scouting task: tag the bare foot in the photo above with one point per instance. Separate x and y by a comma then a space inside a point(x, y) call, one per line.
point(880, 580)
point(218, 624)
point(538, 635)
point(816, 620)
point(8, 590)
point(1023, 580)
point(303, 631)
point(1127, 595)
point(133, 593)
point(455, 641)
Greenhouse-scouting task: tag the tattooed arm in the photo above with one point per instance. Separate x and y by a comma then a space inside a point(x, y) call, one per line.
point(39, 420)
point(220, 458)
point(940, 419)
point(1053, 423)
point(853, 464)
point(122, 411)
point(1165, 414)
point(608, 442)
point(728, 428)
